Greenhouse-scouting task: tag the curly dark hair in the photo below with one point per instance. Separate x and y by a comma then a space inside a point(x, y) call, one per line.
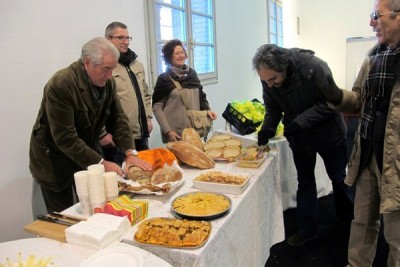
point(272, 57)
point(168, 50)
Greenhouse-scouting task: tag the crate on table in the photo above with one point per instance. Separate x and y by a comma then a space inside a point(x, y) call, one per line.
point(239, 121)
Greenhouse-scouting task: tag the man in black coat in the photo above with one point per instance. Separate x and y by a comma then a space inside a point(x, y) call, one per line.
point(291, 79)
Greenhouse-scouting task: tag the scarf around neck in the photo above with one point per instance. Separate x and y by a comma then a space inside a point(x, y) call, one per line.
point(127, 58)
point(379, 81)
point(165, 85)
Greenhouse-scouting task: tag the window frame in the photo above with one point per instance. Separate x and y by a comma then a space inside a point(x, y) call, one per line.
point(278, 21)
point(152, 28)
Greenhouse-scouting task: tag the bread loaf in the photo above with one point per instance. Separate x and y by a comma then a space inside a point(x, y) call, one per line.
point(166, 174)
point(190, 154)
point(229, 148)
point(231, 152)
point(191, 136)
point(138, 175)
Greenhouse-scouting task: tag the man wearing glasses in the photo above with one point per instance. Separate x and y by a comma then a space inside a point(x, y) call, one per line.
point(132, 91)
point(374, 165)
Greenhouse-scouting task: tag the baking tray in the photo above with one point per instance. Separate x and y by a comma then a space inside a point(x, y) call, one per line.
point(170, 246)
point(201, 217)
point(220, 187)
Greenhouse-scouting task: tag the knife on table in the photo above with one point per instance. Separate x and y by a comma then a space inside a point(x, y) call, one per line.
point(53, 220)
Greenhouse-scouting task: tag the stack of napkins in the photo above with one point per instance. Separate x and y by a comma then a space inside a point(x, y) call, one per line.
point(135, 210)
point(98, 231)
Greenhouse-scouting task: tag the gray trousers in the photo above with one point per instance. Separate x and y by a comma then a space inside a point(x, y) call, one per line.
point(365, 226)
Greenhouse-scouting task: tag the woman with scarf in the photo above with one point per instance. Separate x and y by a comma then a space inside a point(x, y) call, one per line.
point(169, 100)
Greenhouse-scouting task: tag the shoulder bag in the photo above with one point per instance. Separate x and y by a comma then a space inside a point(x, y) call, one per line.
point(197, 119)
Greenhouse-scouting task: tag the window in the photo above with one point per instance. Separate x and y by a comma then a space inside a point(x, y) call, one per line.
point(192, 22)
point(275, 22)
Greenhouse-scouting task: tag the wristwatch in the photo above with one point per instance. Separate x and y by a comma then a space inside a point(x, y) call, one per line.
point(131, 151)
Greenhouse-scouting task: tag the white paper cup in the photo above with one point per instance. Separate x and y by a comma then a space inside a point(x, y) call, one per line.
point(81, 183)
point(96, 166)
point(86, 208)
point(110, 185)
point(96, 189)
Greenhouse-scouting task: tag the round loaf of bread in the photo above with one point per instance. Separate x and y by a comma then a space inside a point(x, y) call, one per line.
point(164, 175)
point(191, 136)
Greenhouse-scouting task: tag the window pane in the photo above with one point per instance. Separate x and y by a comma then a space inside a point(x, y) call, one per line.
point(272, 26)
point(180, 3)
point(171, 23)
point(279, 12)
point(272, 9)
point(202, 29)
point(202, 6)
point(280, 41)
point(204, 59)
point(272, 39)
point(280, 30)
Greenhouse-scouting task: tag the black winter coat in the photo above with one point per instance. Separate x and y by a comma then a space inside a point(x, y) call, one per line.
point(299, 100)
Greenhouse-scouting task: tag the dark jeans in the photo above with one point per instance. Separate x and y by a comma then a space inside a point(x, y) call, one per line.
point(335, 160)
point(114, 154)
point(59, 201)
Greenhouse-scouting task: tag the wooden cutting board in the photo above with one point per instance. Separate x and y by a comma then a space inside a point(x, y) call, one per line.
point(47, 229)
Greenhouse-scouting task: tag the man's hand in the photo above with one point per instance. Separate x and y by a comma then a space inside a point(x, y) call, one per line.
point(110, 166)
point(132, 160)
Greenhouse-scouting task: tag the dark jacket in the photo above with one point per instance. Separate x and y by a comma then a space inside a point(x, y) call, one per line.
point(298, 100)
point(65, 135)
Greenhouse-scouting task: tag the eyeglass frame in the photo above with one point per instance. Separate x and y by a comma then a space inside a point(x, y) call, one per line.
point(121, 38)
point(375, 15)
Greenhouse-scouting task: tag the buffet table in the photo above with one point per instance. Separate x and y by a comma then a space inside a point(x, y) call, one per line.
point(287, 169)
point(62, 254)
point(243, 237)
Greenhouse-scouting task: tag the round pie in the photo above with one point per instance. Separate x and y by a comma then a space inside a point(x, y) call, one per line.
point(201, 204)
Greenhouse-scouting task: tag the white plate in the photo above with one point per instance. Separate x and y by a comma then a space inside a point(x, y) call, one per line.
point(115, 256)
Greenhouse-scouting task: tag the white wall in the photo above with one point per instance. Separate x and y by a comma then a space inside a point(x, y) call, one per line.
point(39, 37)
point(325, 25)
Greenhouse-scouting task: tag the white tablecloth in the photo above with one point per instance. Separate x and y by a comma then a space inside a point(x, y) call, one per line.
point(287, 169)
point(62, 254)
point(243, 237)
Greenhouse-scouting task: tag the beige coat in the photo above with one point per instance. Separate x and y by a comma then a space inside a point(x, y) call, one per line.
point(127, 95)
point(390, 183)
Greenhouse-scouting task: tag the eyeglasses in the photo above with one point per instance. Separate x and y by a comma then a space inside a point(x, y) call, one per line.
point(375, 15)
point(121, 38)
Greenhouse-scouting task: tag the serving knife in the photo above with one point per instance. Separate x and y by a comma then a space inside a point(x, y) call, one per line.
point(53, 220)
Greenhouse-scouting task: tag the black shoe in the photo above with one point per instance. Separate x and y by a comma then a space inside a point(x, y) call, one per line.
point(299, 239)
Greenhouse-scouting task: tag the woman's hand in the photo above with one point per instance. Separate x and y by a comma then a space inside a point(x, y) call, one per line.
point(212, 114)
point(173, 136)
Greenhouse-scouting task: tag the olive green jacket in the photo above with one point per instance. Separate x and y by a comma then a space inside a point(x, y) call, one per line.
point(65, 136)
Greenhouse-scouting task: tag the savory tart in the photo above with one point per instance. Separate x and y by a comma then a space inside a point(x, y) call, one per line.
point(172, 232)
point(201, 204)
